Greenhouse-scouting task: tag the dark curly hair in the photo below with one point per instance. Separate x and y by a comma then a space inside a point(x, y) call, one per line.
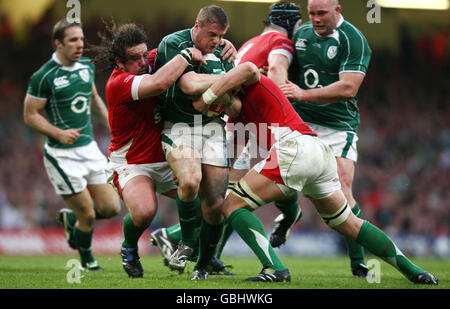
point(285, 15)
point(114, 42)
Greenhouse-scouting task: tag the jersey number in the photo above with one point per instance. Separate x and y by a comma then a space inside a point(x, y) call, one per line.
point(79, 105)
point(157, 114)
point(315, 79)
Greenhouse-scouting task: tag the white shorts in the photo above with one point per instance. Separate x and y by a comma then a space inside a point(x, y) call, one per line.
point(342, 143)
point(119, 174)
point(71, 170)
point(209, 140)
point(301, 163)
point(243, 161)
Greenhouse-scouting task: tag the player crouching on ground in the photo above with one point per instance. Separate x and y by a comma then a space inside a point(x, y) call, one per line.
point(297, 161)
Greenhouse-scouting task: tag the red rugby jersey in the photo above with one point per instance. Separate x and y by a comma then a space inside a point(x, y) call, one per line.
point(264, 106)
point(258, 49)
point(135, 124)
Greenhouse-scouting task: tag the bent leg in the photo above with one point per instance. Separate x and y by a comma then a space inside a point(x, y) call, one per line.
point(254, 189)
point(106, 200)
point(140, 199)
point(364, 233)
point(346, 171)
point(186, 165)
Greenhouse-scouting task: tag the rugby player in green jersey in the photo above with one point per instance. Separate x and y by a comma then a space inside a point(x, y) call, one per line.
point(332, 58)
point(64, 88)
point(194, 143)
point(273, 48)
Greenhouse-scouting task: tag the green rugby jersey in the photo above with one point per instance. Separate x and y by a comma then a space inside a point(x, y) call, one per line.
point(68, 93)
point(177, 106)
point(320, 60)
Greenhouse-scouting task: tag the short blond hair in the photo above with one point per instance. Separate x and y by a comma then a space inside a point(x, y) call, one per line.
point(212, 14)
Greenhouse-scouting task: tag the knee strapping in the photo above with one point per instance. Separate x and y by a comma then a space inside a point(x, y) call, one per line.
point(338, 217)
point(230, 187)
point(242, 190)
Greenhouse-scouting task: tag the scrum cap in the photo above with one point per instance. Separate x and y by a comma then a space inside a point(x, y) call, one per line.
point(285, 15)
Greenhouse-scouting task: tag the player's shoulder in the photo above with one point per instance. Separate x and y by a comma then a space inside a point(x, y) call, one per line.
point(305, 28)
point(86, 61)
point(274, 36)
point(351, 32)
point(44, 71)
point(119, 78)
point(178, 37)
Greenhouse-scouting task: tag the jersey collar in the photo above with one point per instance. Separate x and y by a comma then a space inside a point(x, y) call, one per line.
point(74, 67)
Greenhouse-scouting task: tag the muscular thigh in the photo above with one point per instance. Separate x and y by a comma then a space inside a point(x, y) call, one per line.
point(346, 171)
point(184, 161)
point(140, 192)
point(214, 183)
point(80, 203)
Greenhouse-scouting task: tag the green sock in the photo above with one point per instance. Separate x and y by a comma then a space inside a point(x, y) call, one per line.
point(209, 237)
point(131, 232)
point(251, 230)
point(289, 207)
point(197, 235)
point(83, 242)
point(354, 250)
point(174, 232)
point(226, 233)
point(377, 242)
point(188, 213)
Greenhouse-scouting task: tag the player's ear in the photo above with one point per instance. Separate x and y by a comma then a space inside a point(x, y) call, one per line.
point(119, 63)
point(57, 43)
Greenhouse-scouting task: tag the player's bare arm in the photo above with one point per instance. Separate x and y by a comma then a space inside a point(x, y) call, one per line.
point(344, 89)
point(244, 74)
point(33, 118)
point(278, 68)
point(195, 84)
point(99, 106)
point(167, 75)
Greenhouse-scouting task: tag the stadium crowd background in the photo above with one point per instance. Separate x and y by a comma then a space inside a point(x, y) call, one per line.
point(403, 172)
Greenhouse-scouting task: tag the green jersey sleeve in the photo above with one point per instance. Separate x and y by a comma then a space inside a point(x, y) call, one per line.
point(171, 46)
point(38, 86)
point(356, 51)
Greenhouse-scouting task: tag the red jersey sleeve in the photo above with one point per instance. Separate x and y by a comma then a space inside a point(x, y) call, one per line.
point(123, 86)
point(282, 45)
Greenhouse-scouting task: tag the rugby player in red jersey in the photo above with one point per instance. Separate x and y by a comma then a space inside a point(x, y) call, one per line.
point(297, 161)
point(137, 166)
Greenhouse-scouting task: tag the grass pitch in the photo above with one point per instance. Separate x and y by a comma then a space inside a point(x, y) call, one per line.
point(50, 272)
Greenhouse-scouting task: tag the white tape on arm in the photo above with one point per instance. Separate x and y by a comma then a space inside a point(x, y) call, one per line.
point(209, 97)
